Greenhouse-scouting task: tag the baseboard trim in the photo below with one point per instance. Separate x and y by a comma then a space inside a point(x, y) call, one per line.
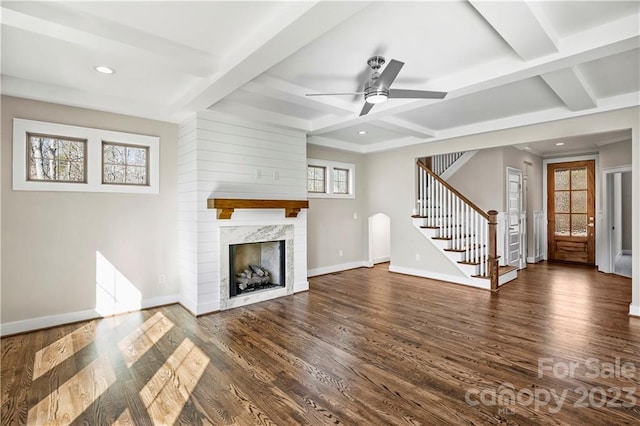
point(452, 279)
point(535, 259)
point(634, 310)
point(337, 268)
point(49, 321)
point(381, 260)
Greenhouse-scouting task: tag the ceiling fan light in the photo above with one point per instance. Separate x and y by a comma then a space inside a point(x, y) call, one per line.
point(376, 98)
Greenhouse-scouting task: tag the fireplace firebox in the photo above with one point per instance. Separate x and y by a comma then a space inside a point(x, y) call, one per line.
point(256, 266)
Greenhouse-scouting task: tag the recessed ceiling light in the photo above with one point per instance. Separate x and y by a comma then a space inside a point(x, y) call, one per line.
point(526, 147)
point(559, 143)
point(103, 69)
point(362, 132)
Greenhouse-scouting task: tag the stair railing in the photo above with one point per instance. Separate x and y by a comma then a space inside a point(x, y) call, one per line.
point(470, 229)
point(441, 162)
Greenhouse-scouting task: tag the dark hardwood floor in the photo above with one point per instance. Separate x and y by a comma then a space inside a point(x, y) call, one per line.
point(362, 347)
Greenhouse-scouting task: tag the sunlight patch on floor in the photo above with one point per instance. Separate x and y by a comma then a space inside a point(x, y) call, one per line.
point(63, 348)
point(68, 401)
point(140, 340)
point(169, 389)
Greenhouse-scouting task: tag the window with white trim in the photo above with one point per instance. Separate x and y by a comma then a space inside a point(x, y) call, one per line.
point(124, 164)
point(59, 157)
point(56, 158)
point(330, 179)
point(316, 179)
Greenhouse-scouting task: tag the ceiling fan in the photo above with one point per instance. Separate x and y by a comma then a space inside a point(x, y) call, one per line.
point(378, 88)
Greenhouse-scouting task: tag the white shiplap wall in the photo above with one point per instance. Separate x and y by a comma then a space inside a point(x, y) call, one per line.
point(222, 156)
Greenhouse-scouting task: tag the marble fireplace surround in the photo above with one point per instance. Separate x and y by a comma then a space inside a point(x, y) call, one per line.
point(254, 234)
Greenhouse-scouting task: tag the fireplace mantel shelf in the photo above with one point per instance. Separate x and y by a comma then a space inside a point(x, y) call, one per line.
point(226, 206)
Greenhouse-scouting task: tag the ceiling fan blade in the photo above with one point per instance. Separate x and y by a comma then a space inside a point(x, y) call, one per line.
point(335, 94)
point(366, 108)
point(389, 74)
point(416, 94)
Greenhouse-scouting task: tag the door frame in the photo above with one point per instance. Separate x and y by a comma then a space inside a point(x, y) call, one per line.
point(608, 257)
point(522, 260)
point(598, 219)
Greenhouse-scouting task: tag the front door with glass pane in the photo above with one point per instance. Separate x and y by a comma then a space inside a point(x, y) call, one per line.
point(571, 211)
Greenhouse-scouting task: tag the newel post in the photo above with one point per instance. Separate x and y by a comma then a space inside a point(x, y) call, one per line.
point(493, 249)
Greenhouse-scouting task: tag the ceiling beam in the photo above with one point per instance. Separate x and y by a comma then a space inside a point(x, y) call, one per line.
point(523, 27)
point(297, 27)
point(282, 90)
point(519, 27)
point(617, 37)
point(405, 127)
point(112, 39)
point(571, 88)
point(258, 114)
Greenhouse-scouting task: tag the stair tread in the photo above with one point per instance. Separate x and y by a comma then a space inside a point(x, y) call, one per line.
point(462, 250)
point(502, 270)
point(449, 238)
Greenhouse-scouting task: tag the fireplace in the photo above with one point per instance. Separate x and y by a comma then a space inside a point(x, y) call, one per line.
point(268, 247)
point(256, 267)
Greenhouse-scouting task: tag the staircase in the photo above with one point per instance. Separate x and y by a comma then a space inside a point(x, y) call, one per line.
point(464, 233)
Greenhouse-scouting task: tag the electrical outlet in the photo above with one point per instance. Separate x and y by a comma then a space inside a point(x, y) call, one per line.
point(340, 253)
point(276, 175)
point(417, 256)
point(162, 279)
point(258, 173)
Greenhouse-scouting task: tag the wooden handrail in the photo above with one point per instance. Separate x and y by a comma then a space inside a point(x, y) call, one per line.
point(452, 189)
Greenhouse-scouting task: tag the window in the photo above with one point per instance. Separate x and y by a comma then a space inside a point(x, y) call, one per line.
point(330, 179)
point(316, 181)
point(124, 164)
point(340, 181)
point(56, 158)
point(59, 157)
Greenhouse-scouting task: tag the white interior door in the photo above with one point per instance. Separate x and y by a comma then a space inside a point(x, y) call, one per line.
point(514, 208)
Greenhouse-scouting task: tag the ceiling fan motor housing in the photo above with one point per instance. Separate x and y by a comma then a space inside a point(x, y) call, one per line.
point(373, 93)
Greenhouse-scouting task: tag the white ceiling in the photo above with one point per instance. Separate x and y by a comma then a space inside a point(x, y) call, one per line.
point(503, 64)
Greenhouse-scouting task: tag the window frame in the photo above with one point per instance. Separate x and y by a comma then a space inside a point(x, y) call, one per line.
point(29, 135)
point(330, 166)
point(93, 158)
point(126, 145)
point(324, 181)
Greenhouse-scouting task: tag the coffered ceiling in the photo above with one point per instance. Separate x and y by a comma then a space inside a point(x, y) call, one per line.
point(503, 64)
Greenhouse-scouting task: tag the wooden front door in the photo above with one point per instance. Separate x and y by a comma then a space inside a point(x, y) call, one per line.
point(571, 211)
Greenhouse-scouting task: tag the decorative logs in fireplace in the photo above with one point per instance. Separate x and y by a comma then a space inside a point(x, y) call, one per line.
point(253, 276)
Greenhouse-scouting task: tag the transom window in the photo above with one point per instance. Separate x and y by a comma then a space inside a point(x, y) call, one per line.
point(56, 158)
point(330, 179)
point(125, 164)
point(316, 179)
point(340, 181)
point(60, 157)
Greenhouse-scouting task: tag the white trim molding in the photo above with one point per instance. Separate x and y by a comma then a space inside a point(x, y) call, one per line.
point(94, 138)
point(634, 311)
point(48, 321)
point(337, 268)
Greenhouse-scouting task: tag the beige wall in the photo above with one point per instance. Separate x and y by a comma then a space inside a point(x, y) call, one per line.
point(391, 179)
point(331, 226)
point(615, 154)
point(51, 239)
point(482, 179)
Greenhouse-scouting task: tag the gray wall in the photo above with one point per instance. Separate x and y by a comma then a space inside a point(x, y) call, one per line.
point(331, 226)
point(51, 239)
